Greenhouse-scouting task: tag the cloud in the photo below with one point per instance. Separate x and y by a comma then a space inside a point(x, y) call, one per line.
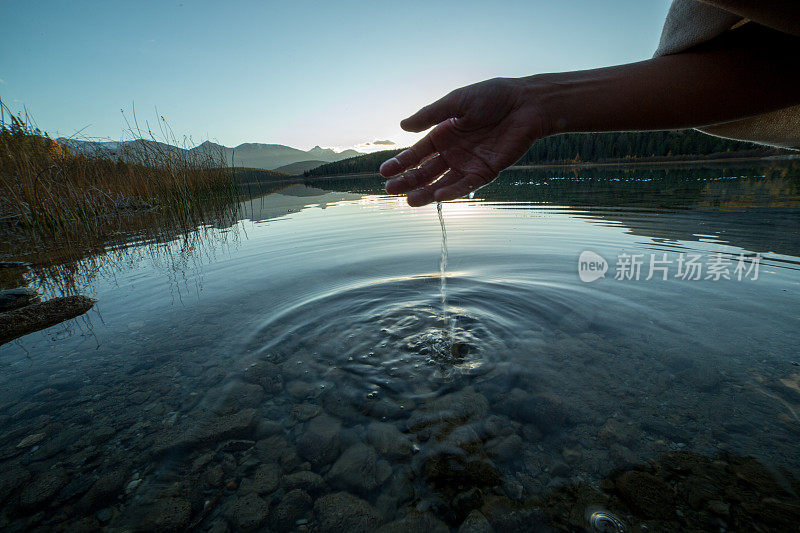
point(2, 80)
point(383, 142)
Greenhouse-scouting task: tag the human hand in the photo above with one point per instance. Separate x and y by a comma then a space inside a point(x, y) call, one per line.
point(480, 130)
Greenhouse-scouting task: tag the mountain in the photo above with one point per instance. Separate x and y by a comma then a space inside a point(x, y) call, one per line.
point(271, 156)
point(295, 169)
point(249, 155)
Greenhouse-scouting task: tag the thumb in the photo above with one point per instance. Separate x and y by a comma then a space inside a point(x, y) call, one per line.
point(433, 114)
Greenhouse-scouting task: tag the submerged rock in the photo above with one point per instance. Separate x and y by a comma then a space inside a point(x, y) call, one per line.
point(43, 488)
point(344, 512)
point(388, 440)
point(295, 505)
point(454, 408)
point(415, 522)
point(207, 432)
point(319, 443)
point(168, 514)
point(264, 374)
point(249, 512)
point(475, 522)
point(359, 470)
point(308, 481)
point(647, 495)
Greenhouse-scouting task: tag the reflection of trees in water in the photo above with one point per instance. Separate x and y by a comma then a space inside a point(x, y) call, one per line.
point(753, 207)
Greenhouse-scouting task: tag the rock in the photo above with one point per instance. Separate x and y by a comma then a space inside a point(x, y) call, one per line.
point(319, 443)
point(249, 512)
point(388, 440)
point(104, 515)
point(265, 374)
point(167, 514)
point(234, 396)
point(42, 488)
point(308, 481)
point(236, 445)
point(528, 520)
point(77, 486)
point(215, 475)
point(11, 479)
point(301, 389)
point(305, 411)
point(206, 432)
point(359, 470)
point(294, 506)
point(341, 511)
point(546, 412)
point(106, 488)
point(31, 440)
point(572, 455)
point(647, 495)
point(454, 408)
point(268, 428)
point(38, 316)
point(338, 404)
point(559, 469)
point(16, 298)
point(617, 431)
point(415, 522)
point(448, 471)
point(267, 478)
point(719, 507)
point(475, 522)
point(507, 448)
point(55, 444)
point(102, 434)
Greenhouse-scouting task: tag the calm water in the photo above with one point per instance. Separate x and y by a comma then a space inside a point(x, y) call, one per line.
point(246, 376)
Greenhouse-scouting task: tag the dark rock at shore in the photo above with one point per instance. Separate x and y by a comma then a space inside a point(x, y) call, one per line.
point(38, 316)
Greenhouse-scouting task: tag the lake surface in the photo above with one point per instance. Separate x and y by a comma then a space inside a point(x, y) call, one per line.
point(296, 370)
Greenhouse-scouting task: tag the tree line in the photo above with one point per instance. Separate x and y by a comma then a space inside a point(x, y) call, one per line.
point(592, 147)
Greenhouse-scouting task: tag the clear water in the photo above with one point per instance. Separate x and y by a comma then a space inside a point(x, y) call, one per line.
point(324, 310)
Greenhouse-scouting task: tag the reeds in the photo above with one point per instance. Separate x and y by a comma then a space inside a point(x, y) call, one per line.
point(51, 197)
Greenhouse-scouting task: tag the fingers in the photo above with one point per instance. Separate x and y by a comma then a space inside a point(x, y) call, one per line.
point(432, 114)
point(462, 187)
point(425, 195)
point(408, 158)
point(429, 171)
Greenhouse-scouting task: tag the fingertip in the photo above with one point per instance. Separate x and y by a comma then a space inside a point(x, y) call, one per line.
point(390, 167)
point(419, 197)
point(394, 186)
point(413, 125)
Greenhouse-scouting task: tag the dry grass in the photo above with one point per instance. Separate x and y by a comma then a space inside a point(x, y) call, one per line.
point(50, 194)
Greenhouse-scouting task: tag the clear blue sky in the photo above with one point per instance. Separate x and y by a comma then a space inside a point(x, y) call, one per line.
point(300, 73)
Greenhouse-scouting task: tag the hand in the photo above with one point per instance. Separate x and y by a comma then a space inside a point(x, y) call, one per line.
point(480, 130)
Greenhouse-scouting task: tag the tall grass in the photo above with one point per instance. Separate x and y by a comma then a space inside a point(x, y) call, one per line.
point(50, 194)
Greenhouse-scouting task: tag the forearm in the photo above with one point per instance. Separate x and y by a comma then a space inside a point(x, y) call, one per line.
point(782, 15)
point(748, 72)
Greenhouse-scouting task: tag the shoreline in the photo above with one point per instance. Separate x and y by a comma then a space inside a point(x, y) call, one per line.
point(589, 164)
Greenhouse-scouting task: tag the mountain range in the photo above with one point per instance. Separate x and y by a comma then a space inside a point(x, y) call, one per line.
point(249, 155)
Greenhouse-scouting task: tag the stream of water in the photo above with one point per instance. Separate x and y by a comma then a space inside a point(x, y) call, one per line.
point(446, 323)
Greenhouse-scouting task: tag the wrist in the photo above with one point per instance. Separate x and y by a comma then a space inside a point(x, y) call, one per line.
point(543, 97)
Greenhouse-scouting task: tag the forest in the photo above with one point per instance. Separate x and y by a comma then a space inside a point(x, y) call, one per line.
point(633, 146)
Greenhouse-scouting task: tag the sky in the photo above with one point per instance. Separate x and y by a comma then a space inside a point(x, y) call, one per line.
point(335, 74)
